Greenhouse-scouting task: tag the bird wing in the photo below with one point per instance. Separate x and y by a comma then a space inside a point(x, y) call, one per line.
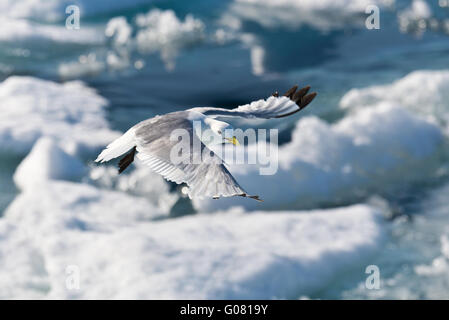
point(292, 101)
point(205, 178)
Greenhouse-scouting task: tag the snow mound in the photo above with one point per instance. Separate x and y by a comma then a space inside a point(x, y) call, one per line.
point(371, 151)
point(440, 264)
point(426, 238)
point(85, 65)
point(71, 113)
point(162, 31)
point(49, 221)
point(141, 181)
point(54, 10)
point(108, 239)
point(47, 161)
point(414, 18)
point(424, 92)
point(156, 32)
point(18, 30)
point(118, 29)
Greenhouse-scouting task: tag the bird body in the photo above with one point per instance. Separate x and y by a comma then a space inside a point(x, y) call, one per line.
point(153, 143)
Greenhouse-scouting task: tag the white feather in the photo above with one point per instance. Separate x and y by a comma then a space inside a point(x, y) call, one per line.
point(118, 147)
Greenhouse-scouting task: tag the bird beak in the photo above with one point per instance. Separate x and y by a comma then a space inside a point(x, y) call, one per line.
point(233, 140)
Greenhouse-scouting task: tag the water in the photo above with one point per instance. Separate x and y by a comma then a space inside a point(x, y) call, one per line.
point(244, 52)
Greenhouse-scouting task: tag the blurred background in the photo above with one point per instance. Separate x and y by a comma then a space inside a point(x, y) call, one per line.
point(363, 174)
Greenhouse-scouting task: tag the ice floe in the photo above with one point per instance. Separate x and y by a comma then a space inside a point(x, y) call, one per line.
point(85, 65)
point(71, 113)
point(141, 181)
point(119, 30)
point(32, 33)
point(372, 150)
point(54, 10)
point(109, 240)
point(64, 212)
point(155, 32)
point(424, 92)
point(440, 264)
point(415, 263)
point(116, 45)
point(414, 18)
point(47, 161)
point(323, 15)
point(164, 32)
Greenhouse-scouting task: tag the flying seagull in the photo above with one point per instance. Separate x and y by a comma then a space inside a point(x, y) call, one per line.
point(150, 140)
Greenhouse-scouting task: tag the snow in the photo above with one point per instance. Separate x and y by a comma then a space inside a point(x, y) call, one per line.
point(71, 113)
point(53, 10)
point(63, 211)
point(422, 235)
point(47, 161)
point(24, 31)
point(373, 150)
point(141, 181)
point(122, 246)
point(162, 31)
point(84, 66)
point(35, 27)
point(419, 9)
point(440, 264)
point(413, 17)
point(121, 252)
point(119, 29)
point(155, 32)
point(424, 92)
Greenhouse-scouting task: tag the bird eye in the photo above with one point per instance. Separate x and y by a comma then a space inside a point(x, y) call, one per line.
point(219, 131)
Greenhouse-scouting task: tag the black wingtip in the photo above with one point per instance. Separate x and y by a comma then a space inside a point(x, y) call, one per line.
point(300, 97)
point(306, 100)
point(126, 160)
point(290, 92)
point(300, 94)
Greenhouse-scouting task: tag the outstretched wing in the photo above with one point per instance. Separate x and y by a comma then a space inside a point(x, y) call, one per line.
point(206, 176)
point(292, 101)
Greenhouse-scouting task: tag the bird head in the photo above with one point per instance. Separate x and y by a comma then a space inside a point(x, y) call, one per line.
point(226, 132)
point(223, 132)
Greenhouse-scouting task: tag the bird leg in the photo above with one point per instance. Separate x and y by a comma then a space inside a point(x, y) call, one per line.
point(251, 197)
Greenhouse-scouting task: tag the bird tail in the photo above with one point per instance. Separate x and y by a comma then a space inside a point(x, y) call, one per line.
point(118, 147)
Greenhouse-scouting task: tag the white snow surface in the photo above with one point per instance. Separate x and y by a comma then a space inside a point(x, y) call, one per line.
point(109, 239)
point(141, 181)
point(54, 10)
point(47, 161)
point(32, 33)
point(71, 113)
point(424, 92)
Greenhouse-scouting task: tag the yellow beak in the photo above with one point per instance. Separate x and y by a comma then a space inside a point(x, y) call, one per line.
point(233, 140)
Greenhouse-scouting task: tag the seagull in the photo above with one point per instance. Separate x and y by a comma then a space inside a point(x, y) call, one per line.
point(150, 141)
